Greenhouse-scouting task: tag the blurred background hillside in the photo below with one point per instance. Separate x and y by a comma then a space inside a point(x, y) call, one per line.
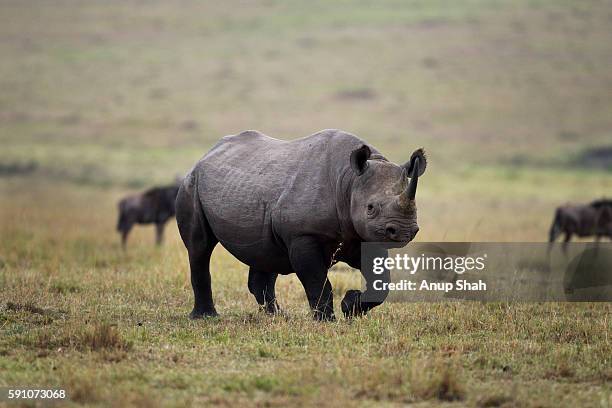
point(511, 99)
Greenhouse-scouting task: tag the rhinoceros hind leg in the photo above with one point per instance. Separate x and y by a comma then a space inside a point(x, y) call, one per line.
point(199, 262)
point(200, 242)
point(261, 285)
point(308, 261)
point(351, 303)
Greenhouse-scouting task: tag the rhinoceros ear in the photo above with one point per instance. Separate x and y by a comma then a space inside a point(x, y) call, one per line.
point(409, 165)
point(359, 159)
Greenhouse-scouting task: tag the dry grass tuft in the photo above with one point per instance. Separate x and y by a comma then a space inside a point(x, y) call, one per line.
point(136, 400)
point(98, 337)
point(441, 380)
point(495, 400)
point(82, 389)
point(103, 336)
point(561, 370)
point(64, 287)
point(26, 307)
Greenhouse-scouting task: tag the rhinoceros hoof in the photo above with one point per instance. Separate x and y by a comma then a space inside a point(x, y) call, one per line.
point(197, 314)
point(324, 316)
point(273, 308)
point(351, 304)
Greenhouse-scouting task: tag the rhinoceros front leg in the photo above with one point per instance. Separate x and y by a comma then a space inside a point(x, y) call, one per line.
point(261, 285)
point(357, 303)
point(308, 262)
point(353, 305)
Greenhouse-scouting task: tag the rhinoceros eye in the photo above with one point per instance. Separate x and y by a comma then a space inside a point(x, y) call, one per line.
point(372, 210)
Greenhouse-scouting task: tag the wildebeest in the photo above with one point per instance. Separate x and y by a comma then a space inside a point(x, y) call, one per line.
point(294, 206)
point(593, 219)
point(154, 206)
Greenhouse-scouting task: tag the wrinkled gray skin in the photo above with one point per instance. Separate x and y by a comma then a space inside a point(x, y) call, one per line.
point(154, 206)
point(284, 206)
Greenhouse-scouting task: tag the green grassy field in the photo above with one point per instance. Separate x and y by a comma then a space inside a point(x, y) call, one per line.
point(511, 99)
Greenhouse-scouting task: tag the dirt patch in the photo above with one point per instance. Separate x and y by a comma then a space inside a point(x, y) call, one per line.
point(430, 62)
point(356, 94)
point(189, 125)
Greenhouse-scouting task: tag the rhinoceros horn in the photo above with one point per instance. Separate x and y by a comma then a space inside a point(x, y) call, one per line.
point(414, 167)
point(414, 180)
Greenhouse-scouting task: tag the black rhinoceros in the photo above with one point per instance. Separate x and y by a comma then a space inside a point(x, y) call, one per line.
point(288, 206)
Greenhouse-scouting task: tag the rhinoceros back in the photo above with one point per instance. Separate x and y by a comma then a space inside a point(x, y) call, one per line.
point(236, 184)
point(254, 188)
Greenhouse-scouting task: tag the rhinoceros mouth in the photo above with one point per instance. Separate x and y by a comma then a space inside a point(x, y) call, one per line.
point(394, 243)
point(398, 242)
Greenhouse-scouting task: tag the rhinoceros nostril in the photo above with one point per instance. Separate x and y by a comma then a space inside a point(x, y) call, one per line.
point(391, 231)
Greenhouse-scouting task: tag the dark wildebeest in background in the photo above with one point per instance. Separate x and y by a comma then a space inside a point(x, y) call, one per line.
point(594, 219)
point(154, 206)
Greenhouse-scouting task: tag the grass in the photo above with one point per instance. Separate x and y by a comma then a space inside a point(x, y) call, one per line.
point(100, 99)
point(120, 319)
